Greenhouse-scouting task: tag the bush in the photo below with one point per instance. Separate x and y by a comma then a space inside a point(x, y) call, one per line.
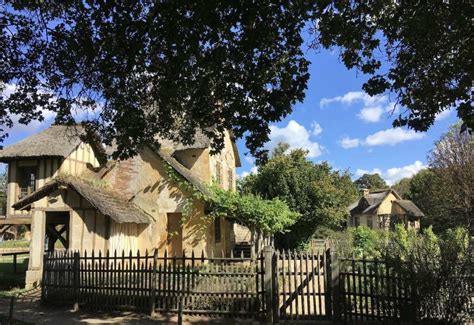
point(438, 268)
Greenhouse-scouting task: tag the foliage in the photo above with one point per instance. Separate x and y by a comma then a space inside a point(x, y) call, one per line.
point(365, 241)
point(403, 187)
point(426, 47)
point(320, 194)
point(141, 68)
point(371, 182)
point(268, 216)
point(438, 267)
point(133, 70)
point(452, 162)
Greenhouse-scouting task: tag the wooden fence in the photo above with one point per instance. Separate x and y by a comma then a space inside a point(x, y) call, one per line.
point(301, 285)
point(285, 286)
point(373, 290)
point(156, 283)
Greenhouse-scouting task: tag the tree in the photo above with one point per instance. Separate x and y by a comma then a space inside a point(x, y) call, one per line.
point(452, 162)
point(320, 194)
point(371, 182)
point(426, 48)
point(426, 191)
point(134, 70)
point(147, 68)
point(403, 187)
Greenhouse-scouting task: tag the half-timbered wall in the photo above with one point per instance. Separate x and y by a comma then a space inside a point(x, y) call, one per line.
point(46, 169)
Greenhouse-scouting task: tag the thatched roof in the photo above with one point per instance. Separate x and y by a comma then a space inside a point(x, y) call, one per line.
point(369, 203)
point(55, 141)
point(180, 169)
point(106, 201)
point(201, 141)
point(410, 208)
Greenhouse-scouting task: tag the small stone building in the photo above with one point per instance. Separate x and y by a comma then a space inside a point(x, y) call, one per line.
point(383, 210)
point(75, 198)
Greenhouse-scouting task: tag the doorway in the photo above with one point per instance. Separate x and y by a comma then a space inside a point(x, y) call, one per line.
point(57, 230)
point(174, 243)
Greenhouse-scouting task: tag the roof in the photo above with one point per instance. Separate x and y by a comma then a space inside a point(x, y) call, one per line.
point(55, 141)
point(106, 201)
point(368, 204)
point(181, 170)
point(410, 208)
point(201, 141)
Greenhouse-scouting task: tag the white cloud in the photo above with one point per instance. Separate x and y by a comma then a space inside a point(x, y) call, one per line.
point(373, 106)
point(35, 125)
point(385, 137)
point(393, 175)
point(444, 114)
point(392, 137)
point(296, 136)
point(253, 170)
point(317, 129)
point(354, 96)
point(348, 143)
point(371, 114)
point(359, 172)
point(249, 159)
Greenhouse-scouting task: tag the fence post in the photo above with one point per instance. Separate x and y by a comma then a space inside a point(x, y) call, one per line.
point(76, 266)
point(12, 308)
point(268, 284)
point(335, 293)
point(153, 284)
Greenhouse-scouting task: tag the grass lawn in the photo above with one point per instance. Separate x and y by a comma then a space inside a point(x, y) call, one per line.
point(15, 244)
point(10, 283)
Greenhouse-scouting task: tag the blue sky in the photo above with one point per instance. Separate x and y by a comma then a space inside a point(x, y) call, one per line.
point(340, 124)
point(337, 123)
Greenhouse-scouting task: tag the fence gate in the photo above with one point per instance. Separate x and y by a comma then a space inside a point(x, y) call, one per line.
point(301, 285)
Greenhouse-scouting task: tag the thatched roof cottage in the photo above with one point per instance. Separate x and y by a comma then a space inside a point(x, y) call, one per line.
point(74, 197)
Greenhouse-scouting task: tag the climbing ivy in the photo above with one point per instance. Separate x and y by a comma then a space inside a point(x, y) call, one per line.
point(268, 216)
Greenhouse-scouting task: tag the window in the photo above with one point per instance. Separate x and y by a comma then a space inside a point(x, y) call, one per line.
point(356, 221)
point(370, 222)
point(230, 179)
point(218, 173)
point(217, 230)
point(26, 180)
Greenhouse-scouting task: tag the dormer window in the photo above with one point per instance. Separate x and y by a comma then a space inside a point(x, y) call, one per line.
point(26, 181)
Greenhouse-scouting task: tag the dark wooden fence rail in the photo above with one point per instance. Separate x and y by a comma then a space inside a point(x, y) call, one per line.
point(156, 282)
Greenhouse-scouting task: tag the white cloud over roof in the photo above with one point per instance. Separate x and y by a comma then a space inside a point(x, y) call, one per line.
point(296, 135)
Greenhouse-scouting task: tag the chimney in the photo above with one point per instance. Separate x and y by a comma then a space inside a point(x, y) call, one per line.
point(363, 192)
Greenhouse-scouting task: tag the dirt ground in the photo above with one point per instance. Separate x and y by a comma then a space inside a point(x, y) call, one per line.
point(29, 311)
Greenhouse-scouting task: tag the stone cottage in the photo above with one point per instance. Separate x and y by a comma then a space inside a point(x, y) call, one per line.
point(75, 198)
point(383, 209)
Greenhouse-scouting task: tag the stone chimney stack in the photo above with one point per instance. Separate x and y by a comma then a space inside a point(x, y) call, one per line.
point(363, 192)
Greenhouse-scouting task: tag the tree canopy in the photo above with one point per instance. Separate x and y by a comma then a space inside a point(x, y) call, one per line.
point(134, 70)
point(317, 192)
point(445, 190)
point(371, 182)
point(421, 51)
point(147, 68)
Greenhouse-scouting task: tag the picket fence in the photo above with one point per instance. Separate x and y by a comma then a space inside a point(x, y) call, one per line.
point(156, 283)
point(274, 286)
